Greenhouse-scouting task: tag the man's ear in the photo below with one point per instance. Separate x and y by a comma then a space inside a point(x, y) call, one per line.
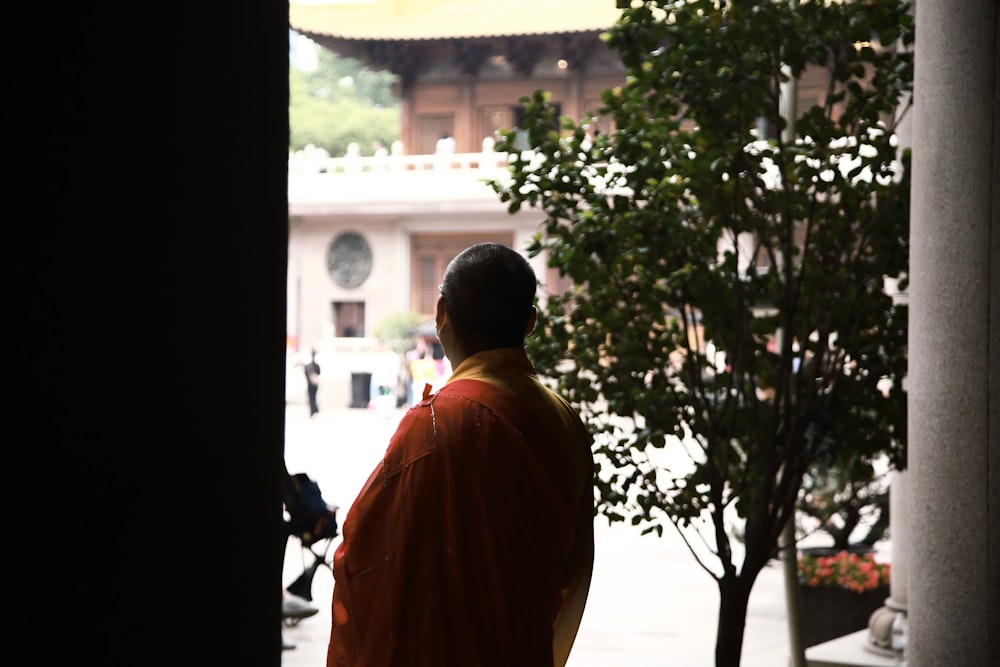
point(532, 320)
point(441, 315)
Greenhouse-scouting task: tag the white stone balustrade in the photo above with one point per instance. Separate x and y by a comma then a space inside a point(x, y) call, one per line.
point(393, 183)
point(299, 164)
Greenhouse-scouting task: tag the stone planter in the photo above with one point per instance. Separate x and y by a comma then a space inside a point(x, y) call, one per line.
point(828, 612)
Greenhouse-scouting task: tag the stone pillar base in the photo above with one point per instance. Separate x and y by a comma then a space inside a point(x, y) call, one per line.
point(880, 627)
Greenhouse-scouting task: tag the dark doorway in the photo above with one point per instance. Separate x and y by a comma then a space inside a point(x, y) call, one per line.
point(349, 319)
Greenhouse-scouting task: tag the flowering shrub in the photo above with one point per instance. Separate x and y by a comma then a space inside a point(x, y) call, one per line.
point(855, 572)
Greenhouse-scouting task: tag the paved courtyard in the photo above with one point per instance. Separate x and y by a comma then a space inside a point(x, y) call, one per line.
point(650, 602)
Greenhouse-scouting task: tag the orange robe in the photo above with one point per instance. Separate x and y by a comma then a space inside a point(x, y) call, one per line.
point(472, 542)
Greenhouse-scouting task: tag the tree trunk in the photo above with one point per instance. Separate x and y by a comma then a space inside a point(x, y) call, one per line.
point(734, 596)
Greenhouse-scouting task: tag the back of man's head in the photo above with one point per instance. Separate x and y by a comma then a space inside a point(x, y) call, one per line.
point(489, 291)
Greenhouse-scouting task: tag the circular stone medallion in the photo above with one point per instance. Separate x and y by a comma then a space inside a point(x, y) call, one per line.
point(349, 260)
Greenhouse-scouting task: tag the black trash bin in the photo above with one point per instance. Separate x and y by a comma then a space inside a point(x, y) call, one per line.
point(361, 389)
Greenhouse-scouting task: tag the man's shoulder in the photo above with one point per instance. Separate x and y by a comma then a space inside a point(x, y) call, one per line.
point(470, 390)
point(440, 420)
point(413, 439)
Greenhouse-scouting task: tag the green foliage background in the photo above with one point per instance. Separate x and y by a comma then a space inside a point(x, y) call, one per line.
point(325, 112)
point(397, 331)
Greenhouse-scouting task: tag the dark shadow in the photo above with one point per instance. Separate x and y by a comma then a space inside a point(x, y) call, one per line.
point(148, 209)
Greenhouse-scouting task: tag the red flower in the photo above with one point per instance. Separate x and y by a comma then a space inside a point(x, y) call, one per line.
point(856, 572)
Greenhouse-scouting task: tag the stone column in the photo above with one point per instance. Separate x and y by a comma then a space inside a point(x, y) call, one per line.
point(953, 368)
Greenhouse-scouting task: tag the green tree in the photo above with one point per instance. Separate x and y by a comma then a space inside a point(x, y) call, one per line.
point(728, 331)
point(340, 102)
point(337, 77)
point(398, 331)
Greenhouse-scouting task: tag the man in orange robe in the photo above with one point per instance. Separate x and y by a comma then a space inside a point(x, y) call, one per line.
point(472, 542)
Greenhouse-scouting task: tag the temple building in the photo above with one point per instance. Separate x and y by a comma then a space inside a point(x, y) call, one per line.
point(370, 235)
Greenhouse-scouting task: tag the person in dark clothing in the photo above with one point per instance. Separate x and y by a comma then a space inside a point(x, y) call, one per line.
point(312, 383)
